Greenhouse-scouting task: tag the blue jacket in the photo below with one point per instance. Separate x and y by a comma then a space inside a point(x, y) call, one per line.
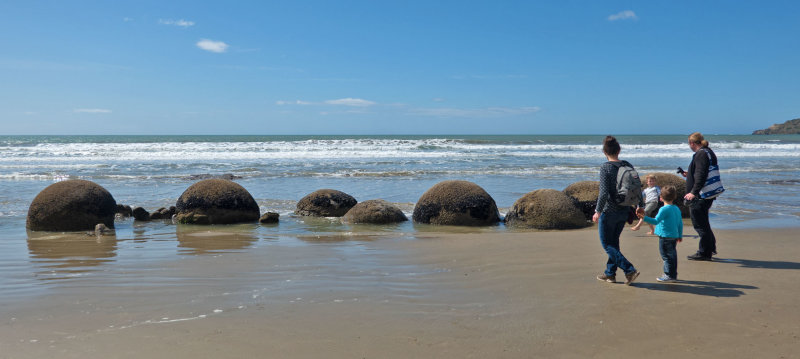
point(668, 222)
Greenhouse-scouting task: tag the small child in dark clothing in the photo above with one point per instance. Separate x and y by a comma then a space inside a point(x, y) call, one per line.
point(669, 229)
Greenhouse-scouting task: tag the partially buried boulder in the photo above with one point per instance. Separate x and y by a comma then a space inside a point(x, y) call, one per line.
point(269, 218)
point(216, 201)
point(669, 179)
point(141, 214)
point(546, 209)
point(72, 205)
point(325, 203)
point(585, 195)
point(457, 203)
point(374, 211)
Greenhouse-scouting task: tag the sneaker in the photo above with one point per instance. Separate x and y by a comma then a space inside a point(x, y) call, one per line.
point(607, 278)
point(698, 257)
point(629, 278)
point(666, 279)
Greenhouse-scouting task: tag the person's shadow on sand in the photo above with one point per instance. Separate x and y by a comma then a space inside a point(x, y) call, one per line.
point(748, 263)
point(711, 289)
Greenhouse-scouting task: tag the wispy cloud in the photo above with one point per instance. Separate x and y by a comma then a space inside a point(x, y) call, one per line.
point(351, 102)
point(213, 46)
point(182, 23)
point(488, 112)
point(623, 15)
point(295, 102)
point(127, 19)
point(91, 110)
point(489, 77)
point(356, 102)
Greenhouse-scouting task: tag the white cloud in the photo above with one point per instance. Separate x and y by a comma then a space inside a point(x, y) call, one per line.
point(182, 23)
point(623, 15)
point(91, 110)
point(213, 46)
point(296, 102)
point(488, 112)
point(127, 19)
point(356, 102)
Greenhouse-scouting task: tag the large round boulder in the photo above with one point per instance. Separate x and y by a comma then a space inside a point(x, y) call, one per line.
point(546, 209)
point(669, 179)
point(72, 205)
point(456, 203)
point(585, 195)
point(374, 211)
point(216, 201)
point(325, 203)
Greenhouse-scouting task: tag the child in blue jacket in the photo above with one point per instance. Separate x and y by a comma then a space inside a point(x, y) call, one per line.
point(669, 229)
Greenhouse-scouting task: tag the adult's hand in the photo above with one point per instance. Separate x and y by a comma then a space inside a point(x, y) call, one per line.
point(596, 217)
point(640, 212)
point(689, 196)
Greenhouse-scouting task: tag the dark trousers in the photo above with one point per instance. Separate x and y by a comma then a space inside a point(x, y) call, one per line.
point(698, 211)
point(610, 227)
point(669, 253)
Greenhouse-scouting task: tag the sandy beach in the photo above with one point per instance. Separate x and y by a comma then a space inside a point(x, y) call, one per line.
point(424, 295)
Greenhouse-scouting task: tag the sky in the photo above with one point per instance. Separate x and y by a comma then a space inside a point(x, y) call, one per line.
point(397, 67)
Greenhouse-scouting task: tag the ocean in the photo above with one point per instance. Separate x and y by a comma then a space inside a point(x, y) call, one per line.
point(761, 175)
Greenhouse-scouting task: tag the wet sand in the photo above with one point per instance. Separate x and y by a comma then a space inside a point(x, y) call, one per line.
point(421, 295)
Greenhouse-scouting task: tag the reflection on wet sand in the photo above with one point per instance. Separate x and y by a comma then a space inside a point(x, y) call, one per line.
point(214, 239)
point(66, 255)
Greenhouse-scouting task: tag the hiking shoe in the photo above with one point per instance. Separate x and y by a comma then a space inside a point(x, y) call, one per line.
point(607, 278)
point(666, 279)
point(629, 278)
point(698, 257)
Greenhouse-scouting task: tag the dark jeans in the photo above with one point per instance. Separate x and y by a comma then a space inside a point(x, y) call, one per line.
point(610, 226)
point(698, 211)
point(669, 253)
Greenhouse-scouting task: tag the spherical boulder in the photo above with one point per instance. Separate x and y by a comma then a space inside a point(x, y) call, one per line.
point(546, 209)
point(457, 203)
point(71, 205)
point(374, 211)
point(585, 194)
point(325, 203)
point(216, 201)
point(669, 179)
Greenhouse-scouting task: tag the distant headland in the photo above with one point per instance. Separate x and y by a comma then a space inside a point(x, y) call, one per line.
point(791, 127)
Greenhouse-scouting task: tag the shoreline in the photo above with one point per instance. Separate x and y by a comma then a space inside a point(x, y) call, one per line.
point(423, 294)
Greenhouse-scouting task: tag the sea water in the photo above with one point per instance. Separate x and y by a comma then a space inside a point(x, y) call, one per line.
point(761, 175)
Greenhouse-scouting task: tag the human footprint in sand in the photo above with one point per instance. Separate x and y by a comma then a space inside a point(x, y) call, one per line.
point(652, 194)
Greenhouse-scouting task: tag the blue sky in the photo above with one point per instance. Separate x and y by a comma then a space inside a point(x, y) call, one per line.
point(398, 67)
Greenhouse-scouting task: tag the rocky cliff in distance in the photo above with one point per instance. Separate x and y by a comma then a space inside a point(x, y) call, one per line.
point(791, 127)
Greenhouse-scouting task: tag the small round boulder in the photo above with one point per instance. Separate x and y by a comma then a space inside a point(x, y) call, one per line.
point(546, 209)
point(585, 194)
point(216, 201)
point(325, 203)
point(72, 205)
point(456, 203)
point(374, 211)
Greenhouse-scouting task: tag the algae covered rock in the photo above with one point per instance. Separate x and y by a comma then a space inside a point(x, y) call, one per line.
point(585, 195)
point(72, 205)
point(374, 211)
point(325, 203)
point(546, 209)
point(457, 203)
point(216, 201)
